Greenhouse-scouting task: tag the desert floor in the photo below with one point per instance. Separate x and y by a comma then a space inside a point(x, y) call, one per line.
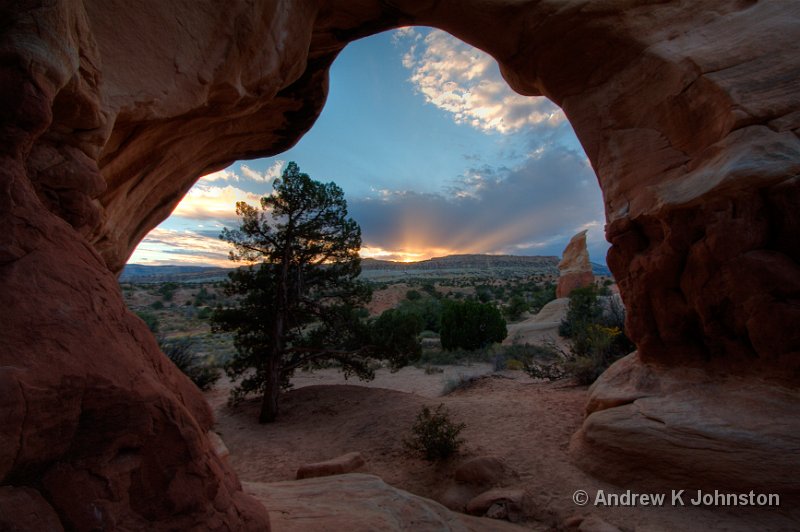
point(527, 424)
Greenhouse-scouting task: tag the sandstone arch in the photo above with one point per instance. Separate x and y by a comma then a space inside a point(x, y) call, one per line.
point(109, 113)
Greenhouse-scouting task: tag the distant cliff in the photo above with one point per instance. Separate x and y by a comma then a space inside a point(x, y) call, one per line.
point(461, 262)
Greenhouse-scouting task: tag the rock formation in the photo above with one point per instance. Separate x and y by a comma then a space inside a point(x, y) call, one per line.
point(340, 465)
point(741, 433)
point(575, 270)
point(109, 112)
point(360, 502)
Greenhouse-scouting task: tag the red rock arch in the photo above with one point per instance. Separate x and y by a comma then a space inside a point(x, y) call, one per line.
point(109, 113)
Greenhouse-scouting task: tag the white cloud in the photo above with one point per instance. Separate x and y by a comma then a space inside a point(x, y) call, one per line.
point(272, 173)
point(169, 246)
point(206, 202)
point(466, 82)
point(220, 175)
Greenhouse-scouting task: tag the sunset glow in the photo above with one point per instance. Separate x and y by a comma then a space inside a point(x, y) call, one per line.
point(404, 255)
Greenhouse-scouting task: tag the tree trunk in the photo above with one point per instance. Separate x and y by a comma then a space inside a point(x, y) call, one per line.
point(269, 403)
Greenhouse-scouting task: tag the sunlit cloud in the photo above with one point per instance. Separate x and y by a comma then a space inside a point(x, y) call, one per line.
point(466, 82)
point(207, 202)
point(221, 175)
point(272, 173)
point(167, 246)
point(531, 209)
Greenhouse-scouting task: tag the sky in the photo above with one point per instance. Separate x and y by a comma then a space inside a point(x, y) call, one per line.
point(435, 153)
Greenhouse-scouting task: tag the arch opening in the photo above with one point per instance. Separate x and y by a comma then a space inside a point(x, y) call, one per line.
point(436, 154)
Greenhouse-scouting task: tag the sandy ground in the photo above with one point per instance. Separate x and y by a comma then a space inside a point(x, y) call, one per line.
point(525, 423)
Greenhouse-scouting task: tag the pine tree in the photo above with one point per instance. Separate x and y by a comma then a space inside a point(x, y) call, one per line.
point(302, 303)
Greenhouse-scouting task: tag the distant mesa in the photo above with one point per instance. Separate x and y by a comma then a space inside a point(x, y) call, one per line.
point(143, 273)
point(534, 265)
point(547, 264)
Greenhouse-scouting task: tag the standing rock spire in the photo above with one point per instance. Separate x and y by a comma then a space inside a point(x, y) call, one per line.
point(575, 270)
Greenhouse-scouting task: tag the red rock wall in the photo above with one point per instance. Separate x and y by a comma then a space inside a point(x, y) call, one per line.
point(110, 111)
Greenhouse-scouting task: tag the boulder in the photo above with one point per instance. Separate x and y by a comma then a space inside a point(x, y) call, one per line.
point(456, 496)
point(503, 503)
point(218, 445)
point(646, 423)
point(346, 463)
point(357, 502)
point(575, 270)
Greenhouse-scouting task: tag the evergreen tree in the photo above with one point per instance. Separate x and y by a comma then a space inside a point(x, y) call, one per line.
point(300, 305)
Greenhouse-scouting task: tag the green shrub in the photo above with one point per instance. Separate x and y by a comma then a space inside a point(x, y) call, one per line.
point(471, 325)
point(541, 296)
point(413, 295)
point(515, 308)
point(599, 354)
point(167, 290)
point(584, 309)
point(157, 305)
point(150, 319)
point(428, 309)
point(434, 434)
point(181, 353)
point(596, 333)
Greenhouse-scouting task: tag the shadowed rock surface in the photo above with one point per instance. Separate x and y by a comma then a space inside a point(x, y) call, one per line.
point(111, 110)
point(360, 503)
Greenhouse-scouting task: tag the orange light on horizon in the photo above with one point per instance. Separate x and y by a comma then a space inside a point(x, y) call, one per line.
point(404, 254)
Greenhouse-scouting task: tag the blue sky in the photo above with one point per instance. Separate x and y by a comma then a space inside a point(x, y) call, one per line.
point(435, 153)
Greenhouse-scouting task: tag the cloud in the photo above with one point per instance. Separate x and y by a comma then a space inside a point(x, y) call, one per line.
point(466, 82)
point(207, 202)
point(220, 175)
point(531, 209)
point(272, 173)
point(168, 246)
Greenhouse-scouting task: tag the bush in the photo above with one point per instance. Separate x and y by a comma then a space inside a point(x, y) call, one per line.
point(150, 319)
point(181, 353)
point(413, 295)
point(471, 325)
point(428, 309)
point(599, 342)
point(515, 308)
point(541, 296)
point(596, 330)
point(434, 434)
point(167, 290)
point(584, 309)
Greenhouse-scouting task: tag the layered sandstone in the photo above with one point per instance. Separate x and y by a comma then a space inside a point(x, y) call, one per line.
point(111, 110)
point(649, 424)
point(575, 270)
